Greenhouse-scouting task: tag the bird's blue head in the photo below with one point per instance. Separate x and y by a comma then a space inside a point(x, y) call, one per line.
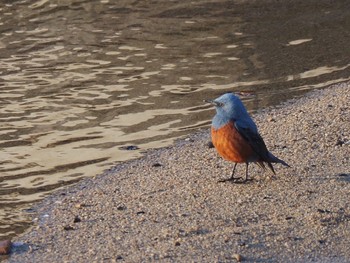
point(229, 108)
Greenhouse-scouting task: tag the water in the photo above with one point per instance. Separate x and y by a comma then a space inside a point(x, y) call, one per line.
point(79, 79)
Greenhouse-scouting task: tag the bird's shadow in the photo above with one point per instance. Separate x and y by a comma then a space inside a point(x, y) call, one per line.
point(236, 181)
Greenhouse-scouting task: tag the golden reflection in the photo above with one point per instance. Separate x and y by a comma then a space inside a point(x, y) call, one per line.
point(298, 41)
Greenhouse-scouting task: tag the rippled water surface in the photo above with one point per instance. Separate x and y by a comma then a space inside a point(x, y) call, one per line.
point(81, 79)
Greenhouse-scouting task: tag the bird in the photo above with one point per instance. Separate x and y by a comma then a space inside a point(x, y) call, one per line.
point(236, 138)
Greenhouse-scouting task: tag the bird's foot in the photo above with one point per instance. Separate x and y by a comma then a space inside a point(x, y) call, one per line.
point(235, 180)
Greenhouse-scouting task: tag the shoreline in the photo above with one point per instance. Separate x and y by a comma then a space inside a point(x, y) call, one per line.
point(168, 205)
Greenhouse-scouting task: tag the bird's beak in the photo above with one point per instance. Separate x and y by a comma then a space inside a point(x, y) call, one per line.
point(213, 102)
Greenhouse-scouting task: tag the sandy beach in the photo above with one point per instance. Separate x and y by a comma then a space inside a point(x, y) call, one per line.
point(168, 206)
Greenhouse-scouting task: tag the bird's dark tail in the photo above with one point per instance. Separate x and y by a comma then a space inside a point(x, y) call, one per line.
point(271, 159)
point(274, 159)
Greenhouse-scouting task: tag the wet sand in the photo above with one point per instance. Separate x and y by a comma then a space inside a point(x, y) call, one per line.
point(168, 206)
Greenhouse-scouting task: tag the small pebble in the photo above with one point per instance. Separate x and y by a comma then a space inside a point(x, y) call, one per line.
point(323, 211)
point(76, 219)
point(339, 143)
point(121, 207)
point(210, 145)
point(129, 148)
point(79, 205)
point(68, 228)
point(237, 257)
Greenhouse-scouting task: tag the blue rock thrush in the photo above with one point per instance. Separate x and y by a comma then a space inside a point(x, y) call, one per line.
point(236, 137)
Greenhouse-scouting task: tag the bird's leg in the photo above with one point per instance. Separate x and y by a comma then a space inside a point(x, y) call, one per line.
point(232, 178)
point(246, 172)
point(233, 172)
point(237, 180)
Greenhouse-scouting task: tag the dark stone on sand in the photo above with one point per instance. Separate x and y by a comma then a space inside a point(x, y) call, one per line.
point(339, 143)
point(121, 207)
point(68, 228)
point(76, 219)
point(323, 211)
point(129, 148)
point(210, 144)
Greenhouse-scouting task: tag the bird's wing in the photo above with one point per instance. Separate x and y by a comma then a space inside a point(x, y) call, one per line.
point(249, 132)
point(254, 139)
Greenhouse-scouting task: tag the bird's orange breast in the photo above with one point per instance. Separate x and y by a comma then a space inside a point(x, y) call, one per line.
point(231, 145)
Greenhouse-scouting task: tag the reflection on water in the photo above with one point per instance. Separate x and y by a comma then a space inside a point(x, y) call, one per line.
point(79, 79)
